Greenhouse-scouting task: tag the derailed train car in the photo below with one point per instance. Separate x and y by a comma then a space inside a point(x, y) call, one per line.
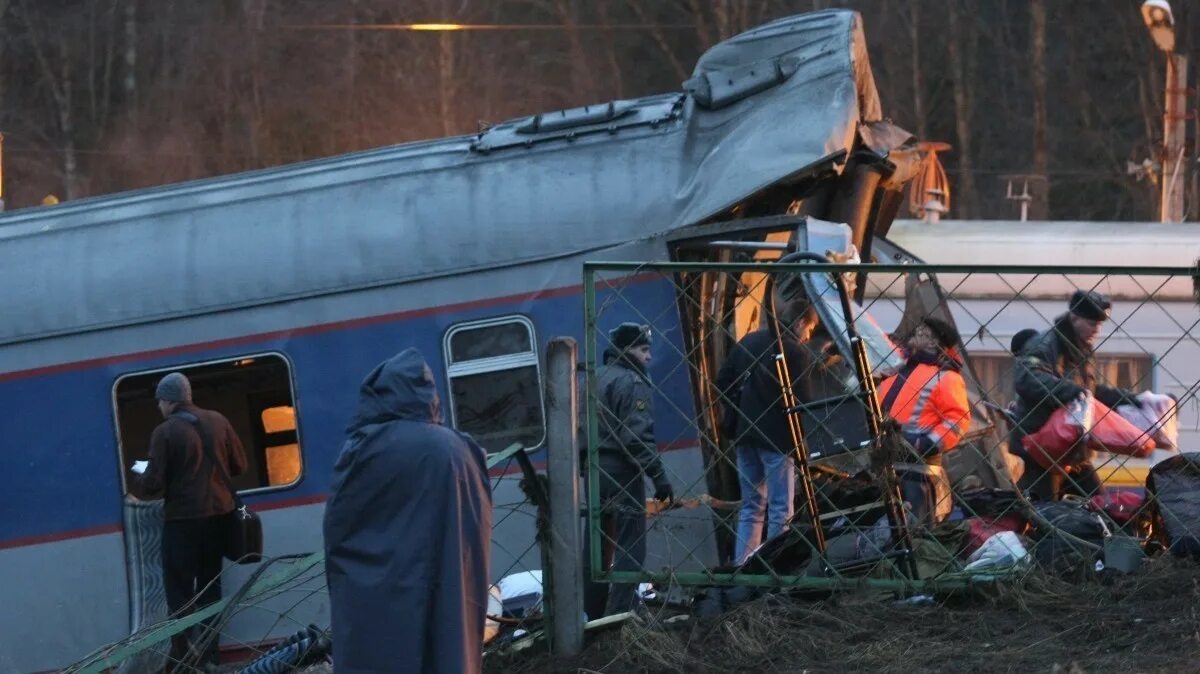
point(277, 290)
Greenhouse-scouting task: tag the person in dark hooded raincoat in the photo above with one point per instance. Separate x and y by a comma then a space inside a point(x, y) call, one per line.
point(407, 532)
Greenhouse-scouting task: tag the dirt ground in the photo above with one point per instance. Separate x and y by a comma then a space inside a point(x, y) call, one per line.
point(1148, 622)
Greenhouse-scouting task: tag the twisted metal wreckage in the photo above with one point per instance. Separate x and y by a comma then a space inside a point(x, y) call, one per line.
point(846, 531)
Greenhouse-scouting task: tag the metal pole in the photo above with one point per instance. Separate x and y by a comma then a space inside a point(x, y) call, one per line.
point(1174, 139)
point(562, 447)
point(1, 172)
point(590, 353)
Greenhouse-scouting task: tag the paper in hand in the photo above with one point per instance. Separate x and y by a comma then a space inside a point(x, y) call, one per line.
point(140, 467)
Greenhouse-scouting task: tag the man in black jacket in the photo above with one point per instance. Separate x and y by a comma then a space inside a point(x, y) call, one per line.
point(627, 454)
point(196, 503)
point(754, 418)
point(1053, 369)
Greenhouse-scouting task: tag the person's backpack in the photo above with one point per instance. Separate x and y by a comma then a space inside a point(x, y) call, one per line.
point(1174, 489)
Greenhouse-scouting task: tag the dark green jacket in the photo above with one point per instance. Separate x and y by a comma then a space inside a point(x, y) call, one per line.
point(626, 418)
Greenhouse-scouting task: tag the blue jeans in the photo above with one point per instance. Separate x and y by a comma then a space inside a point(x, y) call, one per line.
point(768, 485)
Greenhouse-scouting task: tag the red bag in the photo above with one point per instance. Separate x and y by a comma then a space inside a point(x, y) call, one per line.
point(1113, 433)
point(1121, 506)
point(979, 529)
point(1049, 445)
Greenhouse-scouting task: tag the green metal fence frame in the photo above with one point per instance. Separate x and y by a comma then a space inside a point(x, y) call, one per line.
point(698, 578)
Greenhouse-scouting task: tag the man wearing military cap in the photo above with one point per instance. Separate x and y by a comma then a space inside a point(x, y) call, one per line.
point(627, 451)
point(1051, 370)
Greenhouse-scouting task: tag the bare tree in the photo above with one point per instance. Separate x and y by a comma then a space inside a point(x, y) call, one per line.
point(962, 73)
point(1040, 207)
point(918, 85)
point(131, 44)
point(52, 52)
point(126, 93)
point(610, 49)
point(660, 38)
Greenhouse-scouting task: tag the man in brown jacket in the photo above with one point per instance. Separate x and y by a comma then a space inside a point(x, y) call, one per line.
point(197, 505)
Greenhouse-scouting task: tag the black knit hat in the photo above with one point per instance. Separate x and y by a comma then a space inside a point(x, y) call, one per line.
point(943, 333)
point(628, 335)
point(1091, 305)
point(1020, 339)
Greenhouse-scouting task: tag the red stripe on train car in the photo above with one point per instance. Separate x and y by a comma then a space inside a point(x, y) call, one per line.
point(312, 329)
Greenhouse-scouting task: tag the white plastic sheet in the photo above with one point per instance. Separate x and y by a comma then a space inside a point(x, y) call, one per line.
point(1158, 416)
point(1002, 549)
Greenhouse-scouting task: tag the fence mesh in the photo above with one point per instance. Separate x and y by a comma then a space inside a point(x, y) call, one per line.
point(904, 456)
point(275, 615)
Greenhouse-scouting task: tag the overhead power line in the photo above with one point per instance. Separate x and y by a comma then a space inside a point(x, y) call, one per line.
point(454, 27)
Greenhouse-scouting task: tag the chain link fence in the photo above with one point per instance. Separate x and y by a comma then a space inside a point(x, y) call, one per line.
point(908, 454)
point(274, 616)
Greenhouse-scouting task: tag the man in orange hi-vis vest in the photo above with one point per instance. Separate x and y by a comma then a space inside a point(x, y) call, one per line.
point(928, 396)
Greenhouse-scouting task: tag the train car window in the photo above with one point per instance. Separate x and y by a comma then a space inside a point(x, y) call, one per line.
point(490, 341)
point(1129, 371)
point(254, 393)
point(495, 382)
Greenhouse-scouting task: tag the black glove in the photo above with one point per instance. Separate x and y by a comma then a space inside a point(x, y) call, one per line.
point(664, 493)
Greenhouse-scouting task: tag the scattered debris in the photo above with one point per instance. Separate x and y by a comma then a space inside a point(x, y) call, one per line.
point(1112, 622)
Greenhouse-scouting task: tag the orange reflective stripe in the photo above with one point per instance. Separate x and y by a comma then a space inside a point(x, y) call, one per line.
point(932, 401)
point(913, 393)
point(948, 416)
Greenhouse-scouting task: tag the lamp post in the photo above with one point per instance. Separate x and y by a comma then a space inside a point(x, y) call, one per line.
point(1161, 23)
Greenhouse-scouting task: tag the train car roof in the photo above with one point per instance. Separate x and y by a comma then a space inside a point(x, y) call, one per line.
point(760, 108)
point(1056, 244)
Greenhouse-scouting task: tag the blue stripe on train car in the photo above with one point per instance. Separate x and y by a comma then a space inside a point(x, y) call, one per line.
point(59, 476)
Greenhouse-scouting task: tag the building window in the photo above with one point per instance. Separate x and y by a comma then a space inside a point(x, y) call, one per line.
point(253, 392)
point(495, 387)
point(1128, 371)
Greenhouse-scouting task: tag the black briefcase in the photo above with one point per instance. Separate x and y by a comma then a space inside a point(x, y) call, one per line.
point(245, 543)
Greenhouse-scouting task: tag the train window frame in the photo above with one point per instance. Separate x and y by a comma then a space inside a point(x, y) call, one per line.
point(488, 364)
point(184, 367)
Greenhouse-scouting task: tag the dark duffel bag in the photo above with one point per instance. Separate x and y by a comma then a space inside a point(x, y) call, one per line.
point(1071, 537)
point(989, 502)
point(1174, 488)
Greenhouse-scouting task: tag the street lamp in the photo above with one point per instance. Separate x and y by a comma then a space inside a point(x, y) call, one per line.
point(1161, 23)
